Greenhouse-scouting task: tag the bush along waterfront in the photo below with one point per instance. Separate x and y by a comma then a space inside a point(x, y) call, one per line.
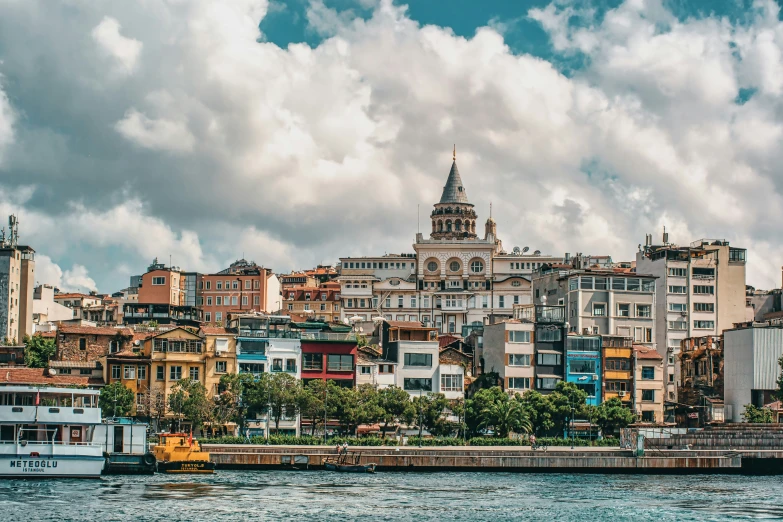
point(489, 417)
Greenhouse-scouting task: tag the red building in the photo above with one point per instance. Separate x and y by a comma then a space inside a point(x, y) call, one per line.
point(328, 352)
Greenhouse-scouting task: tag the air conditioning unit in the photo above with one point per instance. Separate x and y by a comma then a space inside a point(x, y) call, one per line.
point(684, 314)
point(621, 393)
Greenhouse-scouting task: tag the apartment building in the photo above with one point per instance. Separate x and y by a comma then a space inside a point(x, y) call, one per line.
point(77, 302)
point(618, 367)
point(241, 288)
point(416, 351)
point(700, 292)
point(649, 386)
point(164, 292)
point(17, 266)
point(220, 355)
point(583, 365)
point(453, 281)
point(320, 303)
point(509, 350)
point(701, 378)
point(602, 302)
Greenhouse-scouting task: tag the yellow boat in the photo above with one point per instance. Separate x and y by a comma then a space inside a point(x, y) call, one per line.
point(179, 453)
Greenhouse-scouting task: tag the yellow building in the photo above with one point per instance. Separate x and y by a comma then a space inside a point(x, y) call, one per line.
point(220, 355)
point(174, 355)
point(618, 368)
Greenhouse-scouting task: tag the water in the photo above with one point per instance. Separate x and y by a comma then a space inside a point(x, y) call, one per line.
point(310, 495)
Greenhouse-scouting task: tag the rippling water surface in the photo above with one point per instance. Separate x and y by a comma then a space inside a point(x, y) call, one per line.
point(313, 495)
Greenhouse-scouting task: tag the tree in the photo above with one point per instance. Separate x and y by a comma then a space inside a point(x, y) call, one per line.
point(393, 402)
point(189, 398)
point(427, 412)
point(779, 391)
point(282, 396)
point(457, 408)
point(612, 416)
point(506, 415)
point(540, 411)
point(310, 402)
point(38, 350)
point(116, 400)
point(229, 404)
point(756, 415)
point(568, 401)
point(474, 407)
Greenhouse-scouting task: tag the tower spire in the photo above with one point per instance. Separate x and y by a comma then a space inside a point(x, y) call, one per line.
point(454, 153)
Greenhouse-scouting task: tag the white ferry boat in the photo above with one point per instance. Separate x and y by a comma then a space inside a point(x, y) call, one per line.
point(49, 432)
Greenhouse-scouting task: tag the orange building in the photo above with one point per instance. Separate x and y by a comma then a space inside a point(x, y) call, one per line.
point(321, 303)
point(166, 296)
point(242, 287)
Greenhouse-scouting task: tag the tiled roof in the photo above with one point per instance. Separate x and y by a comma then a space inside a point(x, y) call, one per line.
point(127, 353)
point(642, 352)
point(217, 330)
point(453, 191)
point(445, 340)
point(75, 295)
point(38, 376)
point(315, 294)
point(93, 330)
point(48, 335)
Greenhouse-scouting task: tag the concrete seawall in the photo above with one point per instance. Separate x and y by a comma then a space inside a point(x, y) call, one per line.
point(521, 459)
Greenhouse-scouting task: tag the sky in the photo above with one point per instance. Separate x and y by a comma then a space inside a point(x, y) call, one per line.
point(294, 133)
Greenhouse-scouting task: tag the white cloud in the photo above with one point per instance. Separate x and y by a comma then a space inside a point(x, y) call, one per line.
point(75, 279)
point(125, 51)
point(156, 134)
point(6, 121)
point(300, 155)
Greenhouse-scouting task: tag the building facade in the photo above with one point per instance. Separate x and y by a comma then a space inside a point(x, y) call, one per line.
point(618, 366)
point(241, 288)
point(649, 386)
point(583, 365)
point(509, 350)
point(319, 303)
point(700, 292)
point(453, 280)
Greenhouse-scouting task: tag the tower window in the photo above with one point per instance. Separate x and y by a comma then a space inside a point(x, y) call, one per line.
point(477, 267)
point(454, 266)
point(432, 266)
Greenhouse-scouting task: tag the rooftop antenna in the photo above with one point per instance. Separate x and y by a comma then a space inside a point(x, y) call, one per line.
point(665, 236)
point(418, 218)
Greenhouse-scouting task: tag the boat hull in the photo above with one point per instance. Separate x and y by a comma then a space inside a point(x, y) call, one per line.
point(350, 468)
point(124, 464)
point(57, 466)
point(186, 466)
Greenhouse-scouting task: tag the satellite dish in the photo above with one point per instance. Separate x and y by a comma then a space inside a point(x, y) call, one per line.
point(525, 249)
point(516, 251)
point(52, 371)
point(537, 253)
point(137, 342)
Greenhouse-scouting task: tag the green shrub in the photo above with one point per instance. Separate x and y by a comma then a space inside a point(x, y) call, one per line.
point(305, 440)
point(493, 441)
point(436, 441)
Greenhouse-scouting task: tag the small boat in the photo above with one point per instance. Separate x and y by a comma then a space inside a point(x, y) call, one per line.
point(179, 453)
point(124, 444)
point(348, 462)
point(48, 432)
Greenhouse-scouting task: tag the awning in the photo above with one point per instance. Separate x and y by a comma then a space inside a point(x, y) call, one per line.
point(72, 364)
point(548, 376)
point(554, 352)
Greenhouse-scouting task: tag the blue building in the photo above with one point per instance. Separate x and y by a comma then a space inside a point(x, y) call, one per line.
point(583, 365)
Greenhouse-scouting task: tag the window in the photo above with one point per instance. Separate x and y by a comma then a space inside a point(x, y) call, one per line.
point(219, 285)
point(513, 283)
point(737, 255)
point(175, 373)
point(454, 266)
point(220, 366)
point(502, 301)
point(115, 371)
point(588, 388)
point(546, 335)
point(623, 310)
point(233, 300)
point(129, 372)
point(648, 395)
point(323, 307)
point(82, 343)
point(142, 373)
point(643, 310)
point(648, 372)
point(599, 309)
point(218, 316)
point(477, 267)
point(339, 363)
point(518, 337)
point(586, 283)
point(209, 301)
point(158, 281)
point(573, 283)
point(209, 284)
point(704, 325)
point(451, 382)
point(616, 386)
point(277, 365)
point(413, 301)
point(549, 359)
point(386, 368)
point(632, 284)
point(582, 366)
point(601, 283)
point(256, 284)
point(366, 370)
point(678, 325)
point(234, 285)
point(703, 307)
point(547, 383)
point(244, 300)
point(418, 359)
point(417, 384)
point(518, 359)
point(247, 284)
point(400, 301)
point(159, 375)
point(432, 266)
point(704, 289)
point(312, 361)
point(677, 272)
point(425, 301)
point(677, 289)
point(519, 383)
point(484, 301)
point(678, 307)
point(256, 300)
point(194, 373)
point(252, 368)
point(618, 283)
point(648, 285)
point(290, 365)
point(218, 301)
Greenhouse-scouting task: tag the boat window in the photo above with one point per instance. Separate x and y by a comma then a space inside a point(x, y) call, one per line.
point(7, 433)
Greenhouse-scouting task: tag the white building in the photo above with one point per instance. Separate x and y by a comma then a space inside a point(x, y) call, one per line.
point(750, 366)
point(452, 281)
point(46, 310)
point(700, 292)
point(374, 371)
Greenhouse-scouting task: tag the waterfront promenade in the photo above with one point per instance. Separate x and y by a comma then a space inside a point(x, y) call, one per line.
point(506, 458)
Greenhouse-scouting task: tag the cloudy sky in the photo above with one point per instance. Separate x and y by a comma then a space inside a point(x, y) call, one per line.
point(296, 132)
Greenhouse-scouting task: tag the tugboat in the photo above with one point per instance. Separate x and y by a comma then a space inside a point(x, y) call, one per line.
point(179, 453)
point(348, 462)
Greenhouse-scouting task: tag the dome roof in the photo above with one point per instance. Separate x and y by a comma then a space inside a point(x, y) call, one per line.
point(453, 191)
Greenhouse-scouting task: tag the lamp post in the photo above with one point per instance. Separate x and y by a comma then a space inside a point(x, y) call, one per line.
point(268, 419)
point(572, 423)
point(421, 411)
point(326, 398)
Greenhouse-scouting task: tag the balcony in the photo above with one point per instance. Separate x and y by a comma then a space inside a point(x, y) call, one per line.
point(339, 367)
point(454, 306)
point(269, 334)
point(550, 314)
point(329, 336)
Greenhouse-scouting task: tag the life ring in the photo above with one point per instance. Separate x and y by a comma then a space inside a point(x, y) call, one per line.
point(149, 459)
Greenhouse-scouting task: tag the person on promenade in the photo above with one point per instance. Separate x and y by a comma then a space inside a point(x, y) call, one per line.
point(345, 447)
point(533, 441)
